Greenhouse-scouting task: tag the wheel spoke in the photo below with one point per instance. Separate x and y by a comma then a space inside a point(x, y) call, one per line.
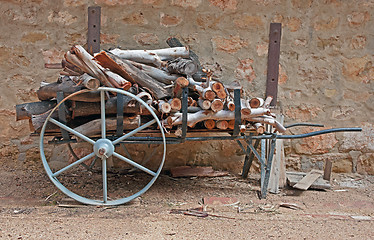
point(105, 181)
point(102, 106)
point(134, 131)
point(73, 164)
point(63, 126)
point(137, 165)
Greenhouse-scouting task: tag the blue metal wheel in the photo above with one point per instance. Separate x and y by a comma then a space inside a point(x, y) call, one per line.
point(102, 149)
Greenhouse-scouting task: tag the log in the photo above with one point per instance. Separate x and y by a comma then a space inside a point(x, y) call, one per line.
point(222, 124)
point(179, 84)
point(155, 56)
point(182, 66)
point(231, 124)
point(175, 104)
point(156, 88)
point(209, 124)
point(205, 92)
point(95, 68)
point(260, 129)
point(219, 89)
point(88, 81)
point(217, 105)
point(242, 128)
point(193, 118)
point(230, 104)
point(94, 127)
point(256, 102)
point(164, 107)
point(26, 110)
point(246, 109)
point(156, 73)
point(117, 80)
point(71, 67)
point(204, 104)
point(67, 86)
point(200, 75)
point(268, 101)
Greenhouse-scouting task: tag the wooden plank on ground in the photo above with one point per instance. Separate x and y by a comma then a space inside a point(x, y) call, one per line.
point(294, 177)
point(308, 180)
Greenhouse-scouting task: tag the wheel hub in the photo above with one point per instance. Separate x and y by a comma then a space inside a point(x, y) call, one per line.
point(103, 148)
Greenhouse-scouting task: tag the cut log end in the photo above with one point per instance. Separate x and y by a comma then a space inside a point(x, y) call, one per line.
point(217, 105)
point(222, 124)
point(209, 124)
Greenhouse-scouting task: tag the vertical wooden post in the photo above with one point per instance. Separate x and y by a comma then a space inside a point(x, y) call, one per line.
point(93, 34)
point(273, 61)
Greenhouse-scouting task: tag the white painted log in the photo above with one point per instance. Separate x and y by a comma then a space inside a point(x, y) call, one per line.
point(204, 104)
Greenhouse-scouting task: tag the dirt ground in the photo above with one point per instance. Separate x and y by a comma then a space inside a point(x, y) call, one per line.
point(31, 207)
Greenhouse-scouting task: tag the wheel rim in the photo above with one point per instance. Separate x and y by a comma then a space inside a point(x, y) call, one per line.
point(103, 148)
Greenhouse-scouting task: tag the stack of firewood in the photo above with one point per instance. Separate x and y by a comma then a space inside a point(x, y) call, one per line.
point(157, 77)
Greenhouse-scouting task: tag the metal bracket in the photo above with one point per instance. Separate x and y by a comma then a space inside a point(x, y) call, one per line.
point(93, 34)
point(62, 114)
point(238, 116)
point(273, 61)
point(120, 103)
point(184, 112)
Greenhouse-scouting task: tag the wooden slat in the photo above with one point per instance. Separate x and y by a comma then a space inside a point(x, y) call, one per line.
point(308, 180)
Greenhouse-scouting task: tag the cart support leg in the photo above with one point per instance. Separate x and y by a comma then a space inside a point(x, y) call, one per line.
point(265, 170)
point(248, 160)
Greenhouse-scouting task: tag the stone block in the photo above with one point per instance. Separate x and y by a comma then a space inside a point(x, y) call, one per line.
point(359, 141)
point(229, 45)
point(169, 20)
point(262, 49)
point(135, 18)
point(358, 18)
point(302, 113)
point(326, 24)
point(365, 164)
point(63, 17)
point(33, 37)
point(109, 38)
point(317, 144)
point(358, 69)
point(208, 20)
point(53, 55)
point(74, 3)
point(358, 42)
point(225, 4)
point(244, 70)
point(186, 3)
point(360, 96)
point(145, 39)
point(249, 22)
point(114, 2)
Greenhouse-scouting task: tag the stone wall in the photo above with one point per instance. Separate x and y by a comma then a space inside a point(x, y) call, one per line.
point(326, 64)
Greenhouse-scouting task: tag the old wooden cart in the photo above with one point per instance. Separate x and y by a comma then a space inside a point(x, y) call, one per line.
point(106, 145)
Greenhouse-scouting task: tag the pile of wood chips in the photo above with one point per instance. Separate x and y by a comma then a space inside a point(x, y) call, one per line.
point(157, 77)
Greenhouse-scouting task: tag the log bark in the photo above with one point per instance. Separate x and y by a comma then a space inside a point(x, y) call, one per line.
point(67, 86)
point(88, 81)
point(155, 56)
point(246, 109)
point(260, 129)
point(158, 74)
point(94, 127)
point(182, 66)
point(200, 75)
point(26, 110)
point(268, 101)
point(156, 88)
